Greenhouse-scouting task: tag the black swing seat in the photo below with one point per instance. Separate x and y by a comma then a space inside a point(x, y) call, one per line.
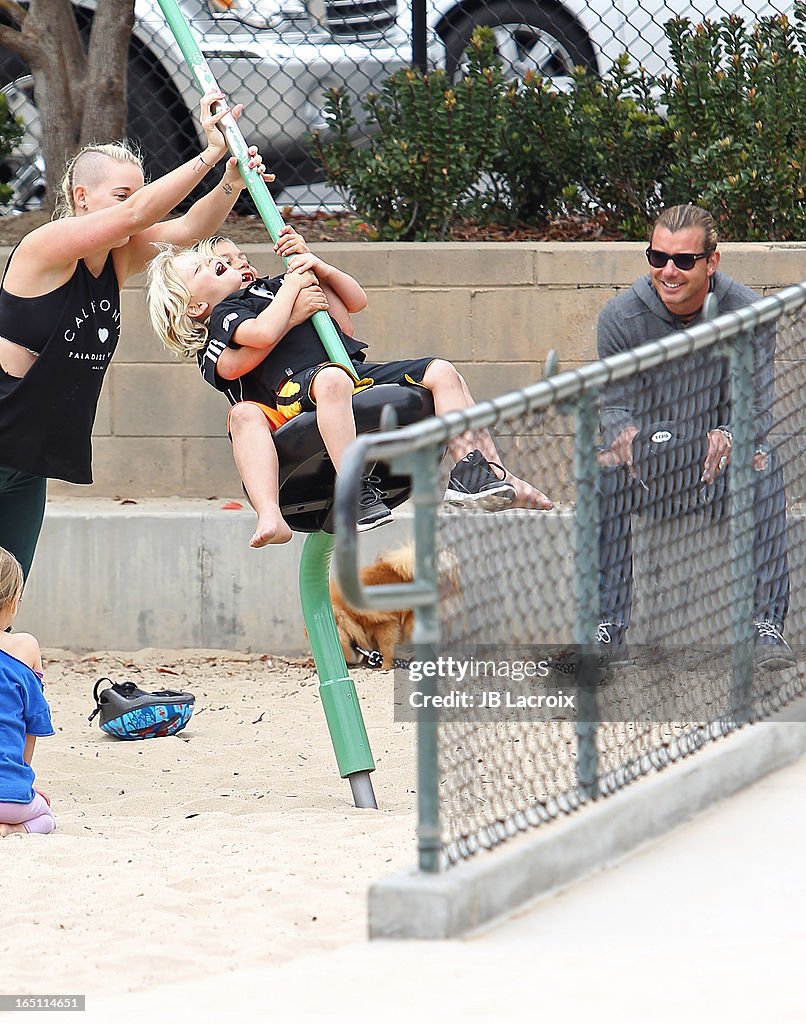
point(307, 477)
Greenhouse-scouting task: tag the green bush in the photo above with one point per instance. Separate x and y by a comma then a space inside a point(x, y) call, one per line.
point(431, 140)
point(737, 109)
point(535, 155)
point(624, 147)
point(726, 129)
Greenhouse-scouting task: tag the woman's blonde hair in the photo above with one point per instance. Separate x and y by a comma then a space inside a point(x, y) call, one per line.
point(168, 299)
point(85, 168)
point(11, 578)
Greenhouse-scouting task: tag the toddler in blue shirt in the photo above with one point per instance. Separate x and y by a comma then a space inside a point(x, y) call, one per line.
point(24, 714)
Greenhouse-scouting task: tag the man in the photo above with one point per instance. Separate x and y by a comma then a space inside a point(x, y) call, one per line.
point(667, 431)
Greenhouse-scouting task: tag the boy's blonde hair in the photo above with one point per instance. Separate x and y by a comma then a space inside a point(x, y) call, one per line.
point(11, 578)
point(86, 167)
point(207, 246)
point(168, 300)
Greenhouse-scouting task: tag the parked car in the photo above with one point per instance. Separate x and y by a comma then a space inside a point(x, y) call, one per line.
point(553, 37)
point(278, 57)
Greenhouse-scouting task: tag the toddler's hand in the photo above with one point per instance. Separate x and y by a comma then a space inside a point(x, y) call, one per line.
point(300, 278)
point(309, 301)
point(306, 261)
point(289, 241)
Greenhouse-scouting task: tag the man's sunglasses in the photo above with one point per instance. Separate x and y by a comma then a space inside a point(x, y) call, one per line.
point(682, 260)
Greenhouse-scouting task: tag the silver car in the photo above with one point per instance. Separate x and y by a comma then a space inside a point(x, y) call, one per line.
point(553, 37)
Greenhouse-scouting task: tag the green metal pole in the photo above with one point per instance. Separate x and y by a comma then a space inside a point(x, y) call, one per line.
point(266, 206)
point(337, 690)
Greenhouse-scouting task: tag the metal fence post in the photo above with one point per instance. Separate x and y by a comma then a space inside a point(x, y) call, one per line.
point(742, 524)
point(424, 488)
point(586, 590)
point(419, 43)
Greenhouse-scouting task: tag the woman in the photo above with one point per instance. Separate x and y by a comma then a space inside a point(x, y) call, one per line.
point(60, 309)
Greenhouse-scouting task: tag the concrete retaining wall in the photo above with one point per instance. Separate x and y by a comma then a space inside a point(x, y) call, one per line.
point(180, 574)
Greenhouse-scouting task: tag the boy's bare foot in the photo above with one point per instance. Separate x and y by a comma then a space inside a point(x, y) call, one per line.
point(527, 496)
point(9, 830)
point(270, 529)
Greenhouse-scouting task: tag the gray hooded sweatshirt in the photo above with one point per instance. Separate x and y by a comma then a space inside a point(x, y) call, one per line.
point(694, 390)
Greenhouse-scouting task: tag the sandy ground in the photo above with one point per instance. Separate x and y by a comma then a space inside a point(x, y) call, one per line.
point(232, 845)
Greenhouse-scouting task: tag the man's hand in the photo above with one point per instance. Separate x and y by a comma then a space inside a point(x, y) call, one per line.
point(620, 451)
point(718, 457)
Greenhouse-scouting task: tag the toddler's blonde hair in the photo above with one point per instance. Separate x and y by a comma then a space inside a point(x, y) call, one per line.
point(207, 246)
point(11, 578)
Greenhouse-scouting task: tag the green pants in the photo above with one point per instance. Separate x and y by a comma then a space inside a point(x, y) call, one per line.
point(22, 509)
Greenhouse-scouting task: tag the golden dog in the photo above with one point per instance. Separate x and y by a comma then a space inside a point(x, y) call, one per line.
point(369, 630)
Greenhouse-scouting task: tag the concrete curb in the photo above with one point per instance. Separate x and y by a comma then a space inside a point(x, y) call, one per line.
point(410, 904)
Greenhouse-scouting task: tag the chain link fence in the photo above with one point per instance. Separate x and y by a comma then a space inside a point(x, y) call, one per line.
point(656, 608)
point(279, 58)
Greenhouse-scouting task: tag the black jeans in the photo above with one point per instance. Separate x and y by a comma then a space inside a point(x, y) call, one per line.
point(22, 509)
point(663, 492)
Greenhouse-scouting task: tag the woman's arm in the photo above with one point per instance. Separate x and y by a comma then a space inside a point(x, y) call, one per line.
point(46, 257)
point(203, 219)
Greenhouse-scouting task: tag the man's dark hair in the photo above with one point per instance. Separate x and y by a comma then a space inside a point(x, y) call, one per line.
point(678, 218)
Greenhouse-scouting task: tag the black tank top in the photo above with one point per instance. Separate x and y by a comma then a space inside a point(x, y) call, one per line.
point(46, 417)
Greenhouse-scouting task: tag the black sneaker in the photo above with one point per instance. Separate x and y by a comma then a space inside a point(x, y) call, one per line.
point(609, 646)
point(474, 485)
point(772, 651)
point(372, 511)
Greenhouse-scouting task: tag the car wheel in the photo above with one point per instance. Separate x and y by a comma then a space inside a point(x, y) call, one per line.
point(24, 169)
point(529, 37)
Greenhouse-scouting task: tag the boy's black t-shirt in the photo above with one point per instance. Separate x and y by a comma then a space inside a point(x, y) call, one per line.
point(299, 349)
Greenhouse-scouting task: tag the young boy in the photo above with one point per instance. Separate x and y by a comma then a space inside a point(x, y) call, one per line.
point(255, 342)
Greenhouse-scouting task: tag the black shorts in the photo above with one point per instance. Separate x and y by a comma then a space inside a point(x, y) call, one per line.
point(294, 395)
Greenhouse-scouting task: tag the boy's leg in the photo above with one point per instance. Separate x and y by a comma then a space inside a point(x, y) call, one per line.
point(451, 392)
point(256, 459)
point(331, 391)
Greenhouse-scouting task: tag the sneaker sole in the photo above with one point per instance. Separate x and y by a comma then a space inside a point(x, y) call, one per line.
point(487, 501)
point(775, 662)
point(366, 527)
